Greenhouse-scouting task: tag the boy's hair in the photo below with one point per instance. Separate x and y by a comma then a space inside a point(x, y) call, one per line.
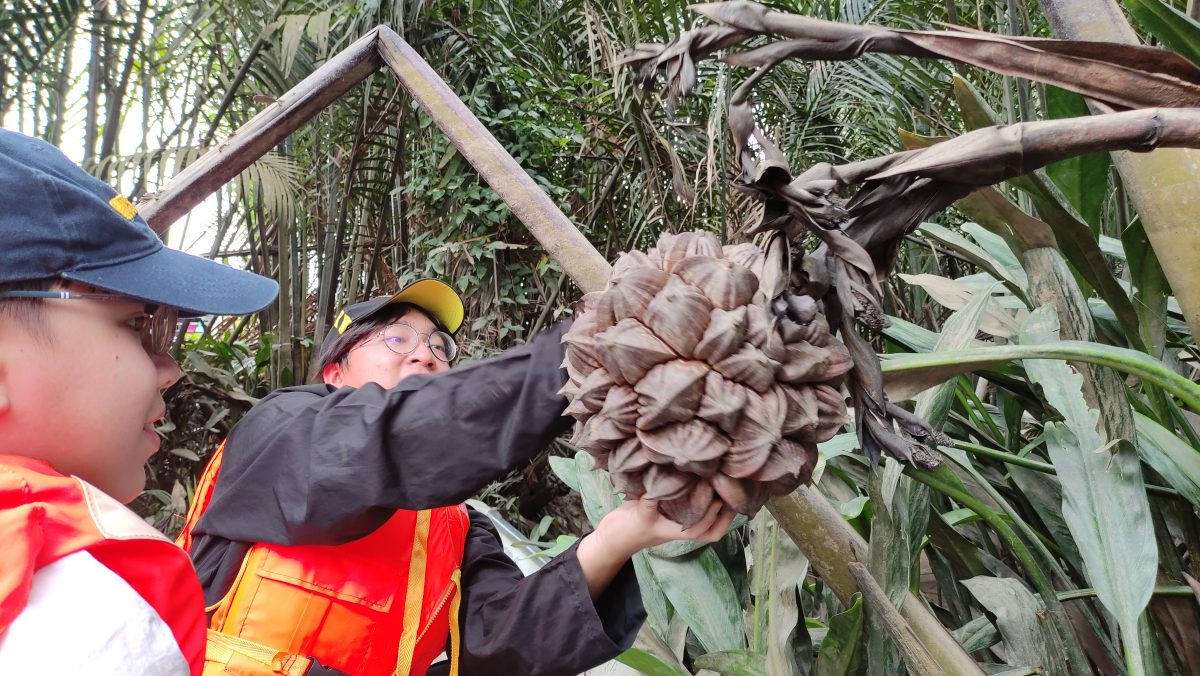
point(361, 330)
point(25, 311)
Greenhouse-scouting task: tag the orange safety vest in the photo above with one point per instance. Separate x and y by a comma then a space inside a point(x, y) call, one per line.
point(46, 516)
point(382, 604)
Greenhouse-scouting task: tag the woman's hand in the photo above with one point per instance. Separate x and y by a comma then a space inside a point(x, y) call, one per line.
point(634, 526)
point(637, 525)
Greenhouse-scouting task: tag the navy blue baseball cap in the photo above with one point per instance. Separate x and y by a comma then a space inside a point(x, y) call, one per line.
point(58, 221)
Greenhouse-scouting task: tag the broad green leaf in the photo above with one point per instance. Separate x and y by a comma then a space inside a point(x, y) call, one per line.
point(1151, 289)
point(293, 32)
point(779, 567)
point(1112, 247)
point(1083, 180)
point(996, 247)
point(914, 337)
point(839, 653)
point(907, 374)
point(648, 663)
point(1176, 30)
point(700, 590)
point(1013, 277)
point(1170, 456)
point(565, 470)
point(599, 497)
point(1021, 619)
point(1044, 493)
point(1104, 498)
point(900, 511)
point(734, 663)
point(853, 509)
point(954, 295)
point(685, 547)
point(977, 634)
point(958, 331)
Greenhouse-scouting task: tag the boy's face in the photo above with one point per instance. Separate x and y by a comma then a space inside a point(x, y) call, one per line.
point(371, 361)
point(84, 394)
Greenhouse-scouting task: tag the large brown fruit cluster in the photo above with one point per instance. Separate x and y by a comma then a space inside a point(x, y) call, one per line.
point(686, 387)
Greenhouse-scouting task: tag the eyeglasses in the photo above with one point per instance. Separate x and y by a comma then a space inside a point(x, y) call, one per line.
point(158, 327)
point(404, 339)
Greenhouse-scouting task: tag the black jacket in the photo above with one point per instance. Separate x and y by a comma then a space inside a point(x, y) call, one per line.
point(314, 465)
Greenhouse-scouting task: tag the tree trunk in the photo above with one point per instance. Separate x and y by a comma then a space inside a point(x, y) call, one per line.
point(1164, 185)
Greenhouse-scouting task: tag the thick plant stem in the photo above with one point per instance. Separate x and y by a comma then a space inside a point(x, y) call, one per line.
point(916, 657)
point(938, 481)
point(1164, 185)
point(831, 545)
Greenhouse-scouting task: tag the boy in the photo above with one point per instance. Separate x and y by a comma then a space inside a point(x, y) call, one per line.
point(89, 304)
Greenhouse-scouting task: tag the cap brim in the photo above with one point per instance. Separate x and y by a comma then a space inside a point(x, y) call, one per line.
point(435, 297)
point(197, 286)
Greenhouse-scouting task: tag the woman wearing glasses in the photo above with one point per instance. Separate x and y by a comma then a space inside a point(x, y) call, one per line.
point(334, 538)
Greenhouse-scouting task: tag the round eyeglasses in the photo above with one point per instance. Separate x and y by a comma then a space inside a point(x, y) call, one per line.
point(404, 339)
point(158, 327)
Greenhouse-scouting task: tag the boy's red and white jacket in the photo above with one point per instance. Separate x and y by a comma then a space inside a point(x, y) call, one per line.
point(86, 586)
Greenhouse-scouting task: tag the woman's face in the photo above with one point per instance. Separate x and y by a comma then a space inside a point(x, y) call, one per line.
point(372, 361)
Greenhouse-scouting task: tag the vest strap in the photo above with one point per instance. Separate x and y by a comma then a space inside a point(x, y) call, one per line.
point(455, 639)
point(415, 594)
point(222, 648)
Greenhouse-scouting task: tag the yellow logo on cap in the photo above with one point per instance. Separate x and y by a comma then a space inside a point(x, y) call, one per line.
point(123, 206)
point(342, 322)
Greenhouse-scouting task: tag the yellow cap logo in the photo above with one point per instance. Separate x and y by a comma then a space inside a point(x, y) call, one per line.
point(123, 206)
point(342, 322)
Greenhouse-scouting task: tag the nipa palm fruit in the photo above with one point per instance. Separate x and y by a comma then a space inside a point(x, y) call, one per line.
point(686, 387)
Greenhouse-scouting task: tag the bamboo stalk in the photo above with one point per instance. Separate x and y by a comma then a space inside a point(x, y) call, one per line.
point(916, 656)
point(251, 141)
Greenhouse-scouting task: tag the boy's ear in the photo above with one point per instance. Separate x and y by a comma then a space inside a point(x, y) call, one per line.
point(332, 374)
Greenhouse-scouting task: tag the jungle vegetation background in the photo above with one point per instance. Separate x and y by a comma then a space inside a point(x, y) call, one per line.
point(370, 195)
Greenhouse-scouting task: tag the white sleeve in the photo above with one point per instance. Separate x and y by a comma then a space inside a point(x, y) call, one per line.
point(82, 618)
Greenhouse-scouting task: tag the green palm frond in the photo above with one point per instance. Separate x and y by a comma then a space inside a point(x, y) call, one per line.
point(31, 31)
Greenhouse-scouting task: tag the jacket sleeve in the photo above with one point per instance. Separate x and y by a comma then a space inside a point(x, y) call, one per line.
point(544, 624)
point(315, 465)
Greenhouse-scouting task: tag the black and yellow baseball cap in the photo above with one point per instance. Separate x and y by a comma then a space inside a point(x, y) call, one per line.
point(433, 296)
